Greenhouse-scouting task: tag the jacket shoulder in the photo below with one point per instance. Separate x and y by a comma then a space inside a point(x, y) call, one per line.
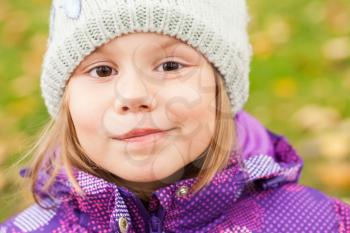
point(35, 218)
point(311, 208)
point(294, 207)
point(343, 214)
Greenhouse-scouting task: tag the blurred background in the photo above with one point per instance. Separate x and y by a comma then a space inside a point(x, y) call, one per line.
point(300, 85)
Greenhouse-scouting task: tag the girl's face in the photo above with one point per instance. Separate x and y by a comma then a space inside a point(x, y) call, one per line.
point(143, 81)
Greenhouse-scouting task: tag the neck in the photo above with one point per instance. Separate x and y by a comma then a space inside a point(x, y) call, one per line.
point(145, 189)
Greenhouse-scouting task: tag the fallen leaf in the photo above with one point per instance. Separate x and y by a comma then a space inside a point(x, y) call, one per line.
point(15, 27)
point(316, 118)
point(4, 9)
point(285, 87)
point(309, 147)
point(337, 49)
point(23, 86)
point(278, 29)
point(334, 175)
point(262, 44)
point(335, 145)
point(23, 106)
point(315, 11)
point(338, 17)
point(34, 57)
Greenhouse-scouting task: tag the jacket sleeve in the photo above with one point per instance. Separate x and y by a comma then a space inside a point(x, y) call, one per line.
point(343, 213)
point(32, 219)
point(8, 226)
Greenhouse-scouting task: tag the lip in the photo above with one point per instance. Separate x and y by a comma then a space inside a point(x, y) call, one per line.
point(139, 134)
point(145, 139)
point(141, 144)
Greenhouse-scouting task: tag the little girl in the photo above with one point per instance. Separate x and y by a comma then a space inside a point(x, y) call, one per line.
point(148, 133)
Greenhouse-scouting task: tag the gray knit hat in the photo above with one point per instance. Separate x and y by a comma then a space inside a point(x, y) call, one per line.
point(216, 28)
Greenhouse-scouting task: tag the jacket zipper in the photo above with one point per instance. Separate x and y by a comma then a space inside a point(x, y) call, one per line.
point(154, 220)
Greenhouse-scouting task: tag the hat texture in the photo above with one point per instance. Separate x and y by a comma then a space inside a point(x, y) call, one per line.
point(217, 29)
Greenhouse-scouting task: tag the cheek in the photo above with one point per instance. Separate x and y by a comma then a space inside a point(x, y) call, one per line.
point(192, 106)
point(86, 108)
point(190, 101)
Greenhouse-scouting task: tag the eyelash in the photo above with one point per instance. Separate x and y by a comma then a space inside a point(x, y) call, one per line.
point(96, 76)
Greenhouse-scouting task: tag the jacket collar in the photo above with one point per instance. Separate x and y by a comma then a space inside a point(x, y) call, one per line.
point(267, 162)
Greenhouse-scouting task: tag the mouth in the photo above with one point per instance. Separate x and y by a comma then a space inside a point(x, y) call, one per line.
point(143, 135)
point(146, 137)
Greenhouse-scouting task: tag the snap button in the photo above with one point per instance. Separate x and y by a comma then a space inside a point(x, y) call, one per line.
point(123, 224)
point(182, 191)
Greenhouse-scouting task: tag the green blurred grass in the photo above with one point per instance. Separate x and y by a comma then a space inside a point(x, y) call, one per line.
point(301, 61)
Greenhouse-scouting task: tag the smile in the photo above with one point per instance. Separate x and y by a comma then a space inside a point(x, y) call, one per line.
point(146, 138)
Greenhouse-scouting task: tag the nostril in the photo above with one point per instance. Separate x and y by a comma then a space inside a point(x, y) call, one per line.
point(125, 108)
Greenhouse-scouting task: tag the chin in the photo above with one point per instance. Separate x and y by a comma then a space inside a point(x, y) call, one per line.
point(147, 177)
point(138, 176)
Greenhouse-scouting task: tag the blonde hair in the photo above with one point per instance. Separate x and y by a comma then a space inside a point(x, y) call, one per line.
point(61, 132)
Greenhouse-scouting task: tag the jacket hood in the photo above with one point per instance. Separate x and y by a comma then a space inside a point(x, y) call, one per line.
point(267, 161)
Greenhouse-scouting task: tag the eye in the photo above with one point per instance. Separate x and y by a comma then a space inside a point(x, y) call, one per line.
point(102, 71)
point(171, 65)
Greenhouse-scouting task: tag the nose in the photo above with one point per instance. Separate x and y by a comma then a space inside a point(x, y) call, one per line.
point(132, 95)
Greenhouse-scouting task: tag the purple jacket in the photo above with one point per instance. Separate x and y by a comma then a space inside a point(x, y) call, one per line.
point(261, 195)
